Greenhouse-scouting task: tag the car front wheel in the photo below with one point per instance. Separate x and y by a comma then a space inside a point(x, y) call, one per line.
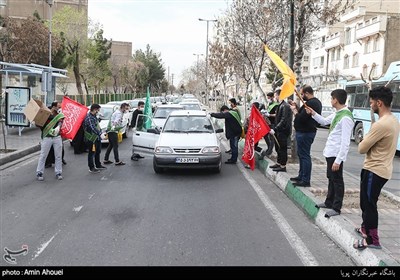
point(358, 133)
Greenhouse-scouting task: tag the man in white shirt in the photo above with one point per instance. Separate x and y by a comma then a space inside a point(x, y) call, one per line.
point(336, 148)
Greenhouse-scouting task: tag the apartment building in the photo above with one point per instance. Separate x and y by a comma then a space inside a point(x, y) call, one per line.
point(121, 52)
point(365, 41)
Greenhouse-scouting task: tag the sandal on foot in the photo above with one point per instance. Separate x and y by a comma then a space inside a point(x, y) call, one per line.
point(120, 163)
point(359, 244)
point(360, 232)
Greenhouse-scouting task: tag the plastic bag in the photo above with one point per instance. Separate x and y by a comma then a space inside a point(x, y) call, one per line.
point(119, 137)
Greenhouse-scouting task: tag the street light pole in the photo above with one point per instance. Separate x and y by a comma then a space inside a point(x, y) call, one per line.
point(49, 86)
point(197, 67)
point(206, 82)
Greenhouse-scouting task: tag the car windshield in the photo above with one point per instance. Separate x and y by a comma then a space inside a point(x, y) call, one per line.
point(105, 113)
point(191, 106)
point(162, 113)
point(188, 124)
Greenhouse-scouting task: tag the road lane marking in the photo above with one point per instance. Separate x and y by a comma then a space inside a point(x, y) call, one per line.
point(77, 209)
point(294, 240)
point(43, 246)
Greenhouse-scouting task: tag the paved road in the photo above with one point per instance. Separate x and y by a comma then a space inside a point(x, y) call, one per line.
point(128, 215)
point(355, 160)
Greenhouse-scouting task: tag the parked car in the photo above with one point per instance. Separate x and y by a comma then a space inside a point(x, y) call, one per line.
point(188, 140)
point(161, 113)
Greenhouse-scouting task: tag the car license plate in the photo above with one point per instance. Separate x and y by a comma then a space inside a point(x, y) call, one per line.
point(187, 160)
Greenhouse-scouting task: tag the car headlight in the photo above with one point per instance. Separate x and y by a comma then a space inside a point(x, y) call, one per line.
point(163, 150)
point(214, 149)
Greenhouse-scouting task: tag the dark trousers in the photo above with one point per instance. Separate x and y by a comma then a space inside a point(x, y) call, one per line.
point(94, 154)
point(281, 148)
point(234, 144)
point(112, 144)
point(304, 141)
point(370, 189)
point(334, 198)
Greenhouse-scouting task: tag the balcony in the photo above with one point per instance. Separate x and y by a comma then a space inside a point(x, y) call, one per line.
point(359, 12)
point(334, 40)
point(372, 26)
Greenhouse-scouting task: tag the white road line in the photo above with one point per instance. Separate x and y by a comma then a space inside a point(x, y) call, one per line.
point(43, 246)
point(77, 209)
point(294, 240)
point(91, 195)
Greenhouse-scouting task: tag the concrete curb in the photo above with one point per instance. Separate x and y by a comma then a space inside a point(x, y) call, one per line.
point(19, 154)
point(337, 228)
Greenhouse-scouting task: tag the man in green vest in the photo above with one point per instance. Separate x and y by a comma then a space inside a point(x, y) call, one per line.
point(51, 138)
point(336, 148)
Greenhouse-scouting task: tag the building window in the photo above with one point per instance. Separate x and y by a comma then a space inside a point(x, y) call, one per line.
point(338, 54)
point(323, 41)
point(346, 61)
point(305, 69)
point(333, 55)
point(347, 36)
point(365, 70)
point(305, 58)
point(375, 46)
point(322, 61)
point(367, 46)
point(355, 59)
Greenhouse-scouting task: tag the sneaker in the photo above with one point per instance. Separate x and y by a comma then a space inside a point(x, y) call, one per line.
point(40, 177)
point(94, 170)
point(59, 176)
point(101, 167)
point(107, 161)
point(120, 163)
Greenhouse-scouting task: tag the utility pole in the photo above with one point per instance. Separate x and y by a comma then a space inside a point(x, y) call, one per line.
point(197, 68)
point(49, 74)
point(206, 78)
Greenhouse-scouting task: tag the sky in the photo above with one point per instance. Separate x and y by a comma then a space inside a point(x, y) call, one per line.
point(170, 27)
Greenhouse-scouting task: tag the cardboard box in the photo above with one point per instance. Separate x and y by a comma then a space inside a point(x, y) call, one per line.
point(36, 111)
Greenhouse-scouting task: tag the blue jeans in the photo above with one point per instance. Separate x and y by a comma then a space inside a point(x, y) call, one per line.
point(304, 141)
point(234, 144)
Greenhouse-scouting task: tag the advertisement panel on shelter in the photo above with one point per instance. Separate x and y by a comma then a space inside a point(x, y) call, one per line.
point(16, 100)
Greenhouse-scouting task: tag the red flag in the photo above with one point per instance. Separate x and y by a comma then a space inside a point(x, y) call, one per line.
point(257, 129)
point(74, 113)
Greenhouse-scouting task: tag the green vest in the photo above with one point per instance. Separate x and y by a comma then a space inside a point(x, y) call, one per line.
point(338, 116)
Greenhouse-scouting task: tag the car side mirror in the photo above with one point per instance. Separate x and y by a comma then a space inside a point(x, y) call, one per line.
point(219, 130)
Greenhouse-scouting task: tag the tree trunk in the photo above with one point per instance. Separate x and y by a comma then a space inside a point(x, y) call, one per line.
point(77, 75)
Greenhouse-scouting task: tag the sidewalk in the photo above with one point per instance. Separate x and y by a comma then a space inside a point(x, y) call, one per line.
point(19, 146)
point(341, 228)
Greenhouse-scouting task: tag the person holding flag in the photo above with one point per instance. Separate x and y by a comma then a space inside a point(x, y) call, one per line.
point(282, 130)
point(256, 130)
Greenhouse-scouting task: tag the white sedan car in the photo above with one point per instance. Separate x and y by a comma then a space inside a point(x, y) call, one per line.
point(161, 113)
point(188, 140)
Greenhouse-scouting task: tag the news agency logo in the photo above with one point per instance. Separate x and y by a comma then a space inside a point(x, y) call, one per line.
point(9, 255)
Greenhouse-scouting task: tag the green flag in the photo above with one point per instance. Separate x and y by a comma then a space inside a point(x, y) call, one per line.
point(147, 110)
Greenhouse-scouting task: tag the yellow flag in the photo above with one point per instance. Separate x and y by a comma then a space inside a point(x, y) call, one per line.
point(289, 79)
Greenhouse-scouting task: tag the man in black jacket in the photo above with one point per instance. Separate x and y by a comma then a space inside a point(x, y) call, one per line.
point(306, 129)
point(233, 129)
point(282, 129)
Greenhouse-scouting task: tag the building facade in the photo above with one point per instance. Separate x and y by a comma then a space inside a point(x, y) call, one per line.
point(364, 42)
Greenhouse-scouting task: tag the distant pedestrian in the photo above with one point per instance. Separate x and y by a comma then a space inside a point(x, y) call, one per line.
point(138, 123)
point(51, 138)
point(379, 145)
point(306, 130)
point(234, 107)
point(115, 125)
point(336, 148)
point(93, 136)
point(233, 129)
point(282, 130)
